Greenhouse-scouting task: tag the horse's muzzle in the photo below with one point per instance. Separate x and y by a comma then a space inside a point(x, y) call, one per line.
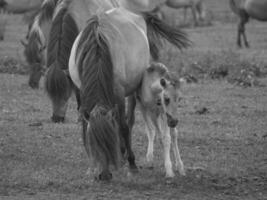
point(172, 122)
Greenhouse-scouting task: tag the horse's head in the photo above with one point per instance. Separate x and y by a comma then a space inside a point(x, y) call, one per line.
point(34, 53)
point(166, 92)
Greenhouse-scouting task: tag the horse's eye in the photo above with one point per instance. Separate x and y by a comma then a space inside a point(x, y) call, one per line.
point(167, 101)
point(163, 82)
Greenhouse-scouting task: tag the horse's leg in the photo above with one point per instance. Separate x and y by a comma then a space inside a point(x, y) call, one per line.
point(166, 141)
point(126, 134)
point(131, 104)
point(244, 17)
point(150, 131)
point(178, 161)
point(185, 13)
point(193, 8)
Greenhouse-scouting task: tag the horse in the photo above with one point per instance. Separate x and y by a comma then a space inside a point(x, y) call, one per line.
point(36, 41)
point(197, 7)
point(158, 97)
point(106, 71)
point(245, 9)
point(57, 82)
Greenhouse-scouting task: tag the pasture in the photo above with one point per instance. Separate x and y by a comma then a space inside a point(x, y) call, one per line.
point(222, 126)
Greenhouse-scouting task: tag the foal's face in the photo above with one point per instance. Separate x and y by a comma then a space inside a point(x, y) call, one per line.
point(169, 97)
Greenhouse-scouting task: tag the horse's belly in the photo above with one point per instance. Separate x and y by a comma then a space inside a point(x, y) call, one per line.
point(257, 9)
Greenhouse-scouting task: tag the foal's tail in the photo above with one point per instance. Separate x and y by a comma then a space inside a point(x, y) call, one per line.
point(95, 65)
point(158, 29)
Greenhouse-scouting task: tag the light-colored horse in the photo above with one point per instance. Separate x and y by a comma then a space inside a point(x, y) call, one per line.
point(197, 7)
point(106, 70)
point(256, 9)
point(158, 97)
point(61, 37)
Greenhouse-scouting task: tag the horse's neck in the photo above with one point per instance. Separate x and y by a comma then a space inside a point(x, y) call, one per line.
point(82, 10)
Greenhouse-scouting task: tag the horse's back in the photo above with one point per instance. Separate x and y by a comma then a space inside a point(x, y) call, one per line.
point(257, 9)
point(128, 46)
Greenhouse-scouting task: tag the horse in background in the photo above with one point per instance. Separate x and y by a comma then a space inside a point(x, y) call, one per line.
point(245, 9)
point(69, 18)
point(197, 8)
point(36, 41)
point(158, 97)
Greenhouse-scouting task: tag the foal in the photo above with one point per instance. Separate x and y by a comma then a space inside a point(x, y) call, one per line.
point(158, 98)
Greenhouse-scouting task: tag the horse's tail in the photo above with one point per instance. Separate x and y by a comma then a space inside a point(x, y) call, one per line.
point(234, 7)
point(62, 35)
point(158, 29)
point(101, 139)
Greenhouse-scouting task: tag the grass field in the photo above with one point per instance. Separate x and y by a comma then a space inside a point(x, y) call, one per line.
point(224, 150)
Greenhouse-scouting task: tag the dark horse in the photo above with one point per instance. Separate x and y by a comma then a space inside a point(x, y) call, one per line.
point(35, 45)
point(245, 9)
point(106, 71)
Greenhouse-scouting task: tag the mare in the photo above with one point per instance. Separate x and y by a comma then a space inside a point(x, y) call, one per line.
point(69, 18)
point(245, 9)
point(158, 97)
point(197, 7)
point(106, 71)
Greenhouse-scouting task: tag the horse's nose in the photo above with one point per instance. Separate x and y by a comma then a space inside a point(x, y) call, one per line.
point(171, 121)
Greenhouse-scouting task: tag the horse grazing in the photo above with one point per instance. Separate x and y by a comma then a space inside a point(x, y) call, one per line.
point(197, 7)
point(158, 97)
point(65, 29)
point(245, 9)
point(37, 41)
point(106, 71)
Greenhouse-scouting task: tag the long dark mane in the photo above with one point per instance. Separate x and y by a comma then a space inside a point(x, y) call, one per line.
point(97, 94)
point(62, 35)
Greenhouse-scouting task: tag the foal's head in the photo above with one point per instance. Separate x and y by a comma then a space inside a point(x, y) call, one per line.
point(165, 89)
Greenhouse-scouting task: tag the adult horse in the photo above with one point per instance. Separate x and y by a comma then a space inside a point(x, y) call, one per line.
point(197, 7)
point(69, 18)
point(106, 70)
point(37, 39)
point(245, 9)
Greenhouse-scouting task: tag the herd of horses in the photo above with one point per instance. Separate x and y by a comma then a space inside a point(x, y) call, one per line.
point(106, 52)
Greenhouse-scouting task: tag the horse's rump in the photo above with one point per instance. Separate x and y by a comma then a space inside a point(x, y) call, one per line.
point(62, 35)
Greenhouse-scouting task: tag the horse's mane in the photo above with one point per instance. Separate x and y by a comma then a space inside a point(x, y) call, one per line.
point(95, 67)
point(62, 35)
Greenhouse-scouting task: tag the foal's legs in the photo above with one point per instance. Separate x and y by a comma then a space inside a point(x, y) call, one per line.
point(178, 161)
point(166, 141)
point(150, 130)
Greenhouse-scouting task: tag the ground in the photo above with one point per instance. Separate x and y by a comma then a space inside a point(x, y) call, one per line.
point(224, 149)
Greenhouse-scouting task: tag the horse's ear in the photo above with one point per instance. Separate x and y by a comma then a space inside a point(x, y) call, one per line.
point(24, 43)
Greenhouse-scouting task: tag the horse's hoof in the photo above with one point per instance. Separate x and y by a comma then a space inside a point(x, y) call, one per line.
point(57, 119)
point(105, 176)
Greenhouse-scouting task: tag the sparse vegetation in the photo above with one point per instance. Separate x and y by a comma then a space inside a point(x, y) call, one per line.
point(222, 128)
